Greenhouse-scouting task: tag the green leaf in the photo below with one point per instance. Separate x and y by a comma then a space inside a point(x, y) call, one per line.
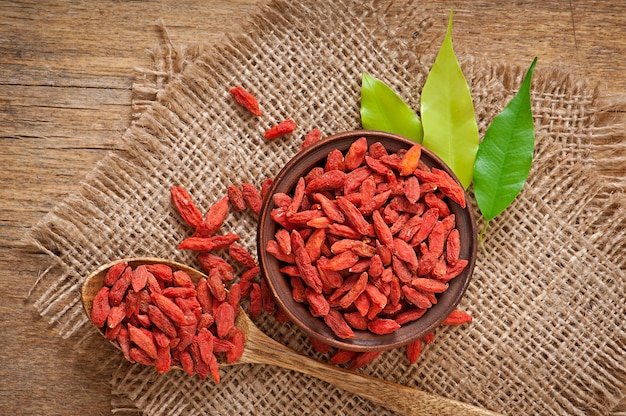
point(382, 109)
point(447, 111)
point(505, 154)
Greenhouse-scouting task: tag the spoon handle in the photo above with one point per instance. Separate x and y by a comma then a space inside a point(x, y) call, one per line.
point(262, 349)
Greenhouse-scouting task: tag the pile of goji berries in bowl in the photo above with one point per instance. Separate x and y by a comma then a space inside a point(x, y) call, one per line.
point(366, 240)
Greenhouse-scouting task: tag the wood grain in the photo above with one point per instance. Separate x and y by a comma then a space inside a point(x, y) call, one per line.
point(66, 71)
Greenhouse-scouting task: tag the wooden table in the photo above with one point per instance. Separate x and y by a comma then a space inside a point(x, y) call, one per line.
point(65, 88)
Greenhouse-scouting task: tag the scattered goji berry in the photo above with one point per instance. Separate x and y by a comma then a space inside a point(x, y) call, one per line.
point(245, 98)
point(280, 129)
point(185, 206)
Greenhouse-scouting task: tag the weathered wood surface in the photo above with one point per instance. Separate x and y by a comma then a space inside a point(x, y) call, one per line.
point(66, 70)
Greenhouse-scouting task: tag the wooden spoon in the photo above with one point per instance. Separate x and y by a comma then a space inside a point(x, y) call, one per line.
point(261, 349)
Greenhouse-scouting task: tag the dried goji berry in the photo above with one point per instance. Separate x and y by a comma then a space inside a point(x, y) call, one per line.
point(256, 301)
point(253, 198)
point(409, 161)
point(240, 254)
point(457, 317)
point(312, 137)
point(185, 206)
point(413, 351)
point(114, 273)
point(362, 359)
point(319, 346)
point(342, 356)
point(318, 305)
point(143, 341)
point(235, 197)
point(100, 308)
point(355, 155)
point(169, 308)
point(121, 285)
point(383, 326)
point(215, 217)
point(238, 339)
point(245, 98)
point(162, 272)
point(280, 129)
point(330, 180)
point(338, 325)
point(208, 243)
point(356, 320)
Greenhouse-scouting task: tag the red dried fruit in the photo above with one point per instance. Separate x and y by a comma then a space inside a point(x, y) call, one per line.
point(356, 154)
point(256, 301)
point(246, 279)
point(355, 291)
point(455, 269)
point(114, 273)
point(334, 161)
point(338, 325)
point(453, 246)
point(318, 305)
point(312, 137)
point(342, 356)
point(216, 285)
point(139, 278)
point(208, 243)
point(245, 98)
point(413, 351)
point(429, 285)
point(240, 254)
point(162, 272)
point(457, 317)
point(416, 297)
point(224, 319)
point(187, 362)
point(253, 198)
point(214, 369)
point(158, 319)
point(181, 279)
point(382, 229)
point(185, 206)
point(319, 346)
point(411, 158)
point(205, 344)
point(121, 285)
point(100, 308)
point(143, 341)
point(137, 355)
point(328, 181)
point(214, 218)
point(169, 308)
point(116, 315)
point(205, 298)
point(342, 261)
point(382, 326)
point(409, 315)
point(280, 129)
point(238, 340)
point(363, 359)
point(235, 197)
point(406, 253)
point(356, 320)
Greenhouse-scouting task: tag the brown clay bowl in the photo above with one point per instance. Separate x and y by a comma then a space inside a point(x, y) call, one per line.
point(279, 284)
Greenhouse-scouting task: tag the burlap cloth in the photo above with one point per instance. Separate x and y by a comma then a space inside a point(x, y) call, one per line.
point(548, 292)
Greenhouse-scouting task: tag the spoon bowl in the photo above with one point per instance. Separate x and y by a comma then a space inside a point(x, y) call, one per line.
point(261, 349)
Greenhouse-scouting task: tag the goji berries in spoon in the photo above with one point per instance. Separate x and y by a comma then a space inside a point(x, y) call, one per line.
point(155, 324)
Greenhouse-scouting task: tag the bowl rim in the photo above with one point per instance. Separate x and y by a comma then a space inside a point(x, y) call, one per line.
point(363, 341)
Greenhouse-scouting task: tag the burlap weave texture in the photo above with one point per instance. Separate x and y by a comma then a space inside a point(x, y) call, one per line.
point(548, 292)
